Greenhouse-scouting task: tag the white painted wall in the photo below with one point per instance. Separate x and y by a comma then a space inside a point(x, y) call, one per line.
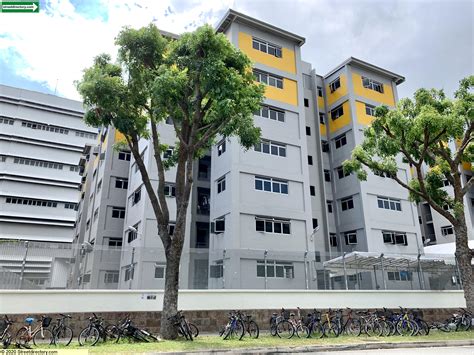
point(55, 301)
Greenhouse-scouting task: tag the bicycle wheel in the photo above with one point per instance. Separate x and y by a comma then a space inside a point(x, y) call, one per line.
point(465, 323)
point(315, 331)
point(43, 338)
point(187, 331)
point(406, 327)
point(194, 329)
point(89, 336)
point(423, 328)
point(22, 338)
point(330, 329)
point(112, 332)
point(373, 329)
point(63, 336)
point(302, 331)
point(253, 329)
point(138, 335)
point(285, 329)
point(7, 340)
point(273, 329)
point(353, 327)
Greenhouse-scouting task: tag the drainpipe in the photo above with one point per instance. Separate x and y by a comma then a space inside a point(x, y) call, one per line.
point(345, 271)
point(265, 253)
point(306, 270)
point(383, 272)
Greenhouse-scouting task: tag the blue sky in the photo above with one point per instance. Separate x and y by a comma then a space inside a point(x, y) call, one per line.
point(429, 42)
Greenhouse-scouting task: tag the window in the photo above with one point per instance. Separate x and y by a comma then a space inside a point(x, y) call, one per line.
point(310, 160)
point(114, 243)
point(129, 271)
point(275, 269)
point(38, 163)
point(399, 275)
point(306, 102)
point(221, 148)
point(327, 176)
point(329, 205)
point(171, 228)
point(447, 230)
point(341, 174)
point(137, 195)
point(272, 225)
point(391, 237)
point(111, 277)
point(312, 190)
point(335, 84)
point(271, 113)
point(217, 270)
point(3, 158)
point(372, 84)
point(308, 131)
point(320, 91)
point(99, 185)
point(31, 202)
point(333, 239)
point(322, 119)
point(168, 153)
point(132, 235)
point(337, 112)
point(74, 168)
point(170, 190)
point(340, 141)
point(266, 47)
point(86, 135)
point(71, 206)
point(325, 146)
point(315, 223)
point(382, 174)
point(6, 120)
point(118, 212)
point(370, 110)
point(160, 271)
point(272, 148)
point(446, 182)
point(124, 155)
point(350, 238)
point(271, 185)
point(221, 185)
point(219, 225)
point(268, 79)
point(347, 203)
point(121, 183)
point(43, 127)
point(389, 203)
point(169, 120)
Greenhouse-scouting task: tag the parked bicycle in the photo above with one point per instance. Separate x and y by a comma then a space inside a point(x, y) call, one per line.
point(40, 334)
point(5, 335)
point(281, 326)
point(90, 335)
point(62, 334)
point(315, 326)
point(459, 321)
point(126, 330)
point(348, 326)
point(330, 327)
point(179, 321)
point(297, 323)
point(250, 326)
point(234, 329)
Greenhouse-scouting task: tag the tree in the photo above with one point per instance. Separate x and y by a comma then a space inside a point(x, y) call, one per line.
point(433, 134)
point(204, 84)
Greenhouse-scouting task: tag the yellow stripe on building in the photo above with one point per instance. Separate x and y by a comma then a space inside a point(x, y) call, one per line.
point(342, 121)
point(119, 137)
point(321, 103)
point(286, 63)
point(322, 129)
point(362, 117)
point(289, 93)
point(340, 92)
point(386, 97)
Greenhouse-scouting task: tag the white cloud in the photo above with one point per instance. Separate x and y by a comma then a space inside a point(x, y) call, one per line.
point(58, 43)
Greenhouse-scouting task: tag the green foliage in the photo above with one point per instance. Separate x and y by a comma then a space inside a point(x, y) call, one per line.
point(422, 132)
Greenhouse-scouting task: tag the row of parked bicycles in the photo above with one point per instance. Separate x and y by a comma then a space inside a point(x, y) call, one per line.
point(384, 322)
point(44, 333)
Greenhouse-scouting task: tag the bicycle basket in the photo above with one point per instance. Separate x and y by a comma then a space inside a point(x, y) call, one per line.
point(46, 321)
point(286, 314)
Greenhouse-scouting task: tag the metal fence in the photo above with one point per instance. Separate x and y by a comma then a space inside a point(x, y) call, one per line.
point(35, 265)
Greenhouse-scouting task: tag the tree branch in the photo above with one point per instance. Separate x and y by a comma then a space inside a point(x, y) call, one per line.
point(161, 172)
point(468, 137)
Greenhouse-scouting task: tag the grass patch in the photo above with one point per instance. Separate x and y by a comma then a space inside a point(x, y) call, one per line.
point(206, 342)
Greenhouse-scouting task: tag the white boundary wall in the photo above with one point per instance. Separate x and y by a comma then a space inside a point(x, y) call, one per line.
point(71, 301)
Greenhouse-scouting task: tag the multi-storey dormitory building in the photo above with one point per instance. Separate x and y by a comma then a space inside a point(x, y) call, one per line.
point(41, 140)
point(104, 168)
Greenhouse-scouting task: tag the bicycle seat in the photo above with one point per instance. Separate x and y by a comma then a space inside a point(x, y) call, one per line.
point(29, 320)
point(248, 317)
point(292, 314)
point(274, 314)
point(65, 315)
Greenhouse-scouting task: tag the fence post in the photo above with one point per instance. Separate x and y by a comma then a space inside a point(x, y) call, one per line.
point(345, 271)
point(265, 264)
point(383, 272)
point(420, 274)
point(23, 265)
point(306, 270)
point(132, 268)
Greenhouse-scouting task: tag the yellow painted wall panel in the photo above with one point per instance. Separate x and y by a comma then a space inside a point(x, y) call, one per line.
point(322, 128)
point(467, 166)
point(340, 92)
point(286, 63)
point(289, 93)
point(341, 122)
point(362, 117)
point(321, 103)
point(119, 137)
point(386, 97)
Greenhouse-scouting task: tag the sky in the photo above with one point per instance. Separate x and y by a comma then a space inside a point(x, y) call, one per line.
point(430, 42)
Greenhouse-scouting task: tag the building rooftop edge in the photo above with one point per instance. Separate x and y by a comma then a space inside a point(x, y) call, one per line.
point(351, 60)
point(232, 15)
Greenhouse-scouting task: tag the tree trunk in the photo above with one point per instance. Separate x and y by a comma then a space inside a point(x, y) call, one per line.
point(170, 299)
point(464, 260)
